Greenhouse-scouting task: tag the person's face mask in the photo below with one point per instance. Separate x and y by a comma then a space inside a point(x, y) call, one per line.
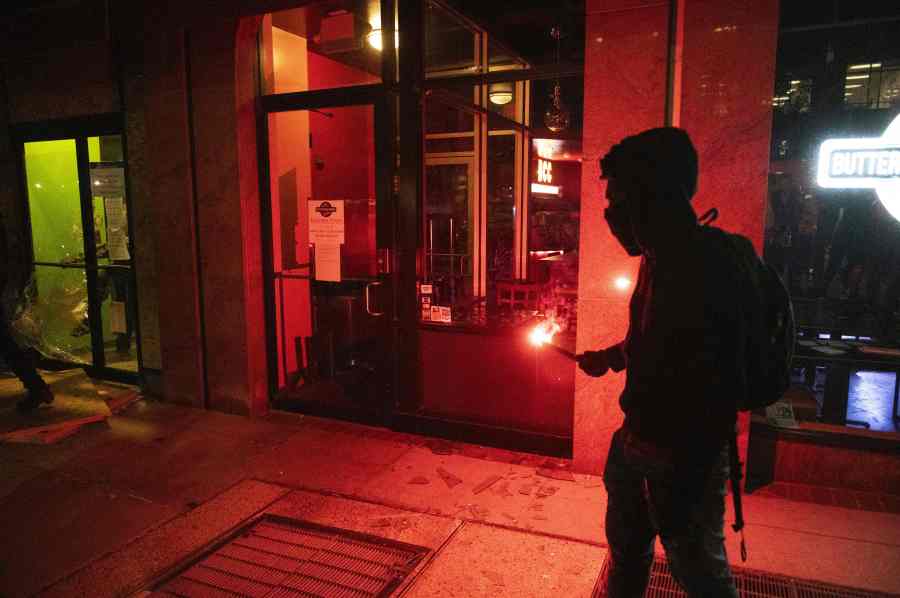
point(619, 220)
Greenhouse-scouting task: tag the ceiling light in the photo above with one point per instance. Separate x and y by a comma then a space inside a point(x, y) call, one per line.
point(852, 77)
point(556, 117)
point(859, 67)
point(500, 93)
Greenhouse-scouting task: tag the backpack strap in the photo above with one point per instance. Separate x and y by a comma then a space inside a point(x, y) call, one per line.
point(708, 217)
point(736, 475)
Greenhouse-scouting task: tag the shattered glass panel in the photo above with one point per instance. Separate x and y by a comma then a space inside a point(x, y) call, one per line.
point(52, 316)
point(54, 203)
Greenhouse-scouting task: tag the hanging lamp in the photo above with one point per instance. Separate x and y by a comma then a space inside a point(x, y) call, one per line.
point(556, 117)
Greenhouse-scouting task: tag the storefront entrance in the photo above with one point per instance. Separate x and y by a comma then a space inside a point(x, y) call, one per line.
point(330, 278)
point(78, 306)
point(403, 269)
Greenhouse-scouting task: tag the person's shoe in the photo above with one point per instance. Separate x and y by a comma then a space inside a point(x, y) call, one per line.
point(35, 399)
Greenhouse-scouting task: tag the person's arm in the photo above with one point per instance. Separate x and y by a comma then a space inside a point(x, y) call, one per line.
point(597, 363)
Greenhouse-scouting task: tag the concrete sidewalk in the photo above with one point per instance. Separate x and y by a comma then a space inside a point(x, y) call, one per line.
point(108, 510)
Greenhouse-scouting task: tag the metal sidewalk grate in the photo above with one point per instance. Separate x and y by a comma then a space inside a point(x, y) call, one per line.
point(276, 557)
point(750, 584)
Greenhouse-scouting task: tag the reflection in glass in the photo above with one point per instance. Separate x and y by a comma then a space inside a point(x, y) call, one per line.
point(501, 202)
point(54, 204)
point(117, 312)
point(53, 316)
point(444, 111)
point(450, 44)
point(324, 45)
point(553, 236)
point(115, 290)
point(325, 333)
point(500, 58)
point(448, 234)
point(872, 85)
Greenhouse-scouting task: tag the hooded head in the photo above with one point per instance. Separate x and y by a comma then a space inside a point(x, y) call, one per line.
point(652, 177)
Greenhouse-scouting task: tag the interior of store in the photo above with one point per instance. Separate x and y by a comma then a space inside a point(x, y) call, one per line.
point(500, 218)
point(52, 314)
point(497, 257)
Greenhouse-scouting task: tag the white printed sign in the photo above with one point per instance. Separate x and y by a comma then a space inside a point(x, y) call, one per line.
point(116, 229)
point(326, 222)
point(108, 181)
point(328, 262)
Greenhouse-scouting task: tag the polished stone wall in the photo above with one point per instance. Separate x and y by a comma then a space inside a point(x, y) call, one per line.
point(724, 74)
point(624, 93)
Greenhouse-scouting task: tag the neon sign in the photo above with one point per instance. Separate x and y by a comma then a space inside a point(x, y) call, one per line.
point(864, 163)
point(542, 189)
point(545, 171)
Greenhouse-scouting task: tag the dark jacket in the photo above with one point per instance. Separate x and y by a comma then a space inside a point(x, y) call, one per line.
point(682, 348)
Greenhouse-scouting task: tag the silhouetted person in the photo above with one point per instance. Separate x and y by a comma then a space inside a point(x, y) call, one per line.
point(778, 224)
point(16, 359)
point(849, 243)
point(667, 465)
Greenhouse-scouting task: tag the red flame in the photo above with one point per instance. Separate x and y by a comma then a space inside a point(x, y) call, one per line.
point(543, 333)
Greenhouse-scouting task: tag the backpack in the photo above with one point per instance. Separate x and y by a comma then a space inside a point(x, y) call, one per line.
point(767, 321)
point(768, 330)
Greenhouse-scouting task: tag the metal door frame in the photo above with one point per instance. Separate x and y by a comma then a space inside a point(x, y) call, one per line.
point(357, 96)
point(79, 129)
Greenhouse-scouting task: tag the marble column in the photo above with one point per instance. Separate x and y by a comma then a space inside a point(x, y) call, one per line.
point(168, 151)
point(726, 70)
point(624, 93)
point(222, 86)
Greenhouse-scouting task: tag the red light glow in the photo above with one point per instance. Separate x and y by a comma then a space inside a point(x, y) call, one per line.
point(543, 333)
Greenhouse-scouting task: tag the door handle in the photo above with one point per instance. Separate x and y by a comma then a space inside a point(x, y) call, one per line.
point(376, 283)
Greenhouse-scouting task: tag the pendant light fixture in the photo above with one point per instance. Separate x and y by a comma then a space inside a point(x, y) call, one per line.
point(500, 93)
point(557, 115)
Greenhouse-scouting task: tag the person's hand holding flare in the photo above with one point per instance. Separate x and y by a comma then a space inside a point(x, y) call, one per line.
point(593, 363)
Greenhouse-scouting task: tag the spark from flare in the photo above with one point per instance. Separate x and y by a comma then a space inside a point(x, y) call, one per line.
point(543, 333)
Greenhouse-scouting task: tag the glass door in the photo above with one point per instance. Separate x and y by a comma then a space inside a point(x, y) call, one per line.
point(79, 307)
point(329, 283)
point(451, 225)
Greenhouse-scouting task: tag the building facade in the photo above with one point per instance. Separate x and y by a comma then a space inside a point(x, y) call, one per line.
point(309, 206)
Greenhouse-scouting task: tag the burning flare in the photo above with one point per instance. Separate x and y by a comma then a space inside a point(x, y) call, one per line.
point(542, 334)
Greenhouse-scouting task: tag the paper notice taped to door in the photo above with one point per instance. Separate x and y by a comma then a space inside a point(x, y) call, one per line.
point(326, 222)
point(116, 229)
point(328, 262)
point(117, 321)
point(107, 181)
